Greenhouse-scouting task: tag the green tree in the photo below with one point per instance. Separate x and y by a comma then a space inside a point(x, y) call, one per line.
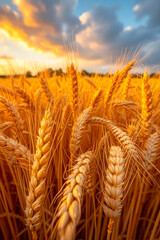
point(28, 74)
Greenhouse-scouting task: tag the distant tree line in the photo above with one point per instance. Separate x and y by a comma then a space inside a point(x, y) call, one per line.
point(59, 72)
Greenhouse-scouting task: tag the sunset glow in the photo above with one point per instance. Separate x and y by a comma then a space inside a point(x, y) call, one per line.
point(79, 119)
point(37, 31)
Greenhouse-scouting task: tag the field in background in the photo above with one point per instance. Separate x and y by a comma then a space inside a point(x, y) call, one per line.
point(80, 157)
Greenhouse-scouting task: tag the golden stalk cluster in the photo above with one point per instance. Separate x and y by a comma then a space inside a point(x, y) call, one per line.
point(80, 157)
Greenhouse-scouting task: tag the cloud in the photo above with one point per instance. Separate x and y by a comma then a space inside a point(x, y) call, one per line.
point(150, 9)
point(99, 34)
point(154, 52)
point(136, 8)
point(4, 57)
point(101, 30)
point(104, 36)
point(129, 28)
point(40, 23)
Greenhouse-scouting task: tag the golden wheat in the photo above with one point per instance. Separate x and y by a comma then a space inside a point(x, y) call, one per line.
point(67, 172)
point(37, 187)
point(69, 211)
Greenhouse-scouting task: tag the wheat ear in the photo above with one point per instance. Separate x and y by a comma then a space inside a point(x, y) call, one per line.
point(91, 179)
point(111, 88)
point(46, 89)
point(114, 186)
point(66, 115)
point(69, 212)
point(126, 86)
point(4, 126)
point(75, 90)
point(151, 150)
point(121, 136)
point(126, 69)
point(13, 111)
point(78, 130)
point(96, 98)
point(26, 98)
point(37, 185)
point(7, 90)
point(123, 73)
point(91, 83)
point(16, 151)
point(146, 106)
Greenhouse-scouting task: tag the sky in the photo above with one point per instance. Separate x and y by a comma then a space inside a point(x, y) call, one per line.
point(35, 34)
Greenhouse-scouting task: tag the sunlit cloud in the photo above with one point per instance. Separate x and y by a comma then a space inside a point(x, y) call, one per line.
point(136, 8)
point(26, 29)
point(84, 17)
point(129, 28)
point(37, 28)
point(4, 57)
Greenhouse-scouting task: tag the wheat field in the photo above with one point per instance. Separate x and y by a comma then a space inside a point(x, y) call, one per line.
point(80, 156)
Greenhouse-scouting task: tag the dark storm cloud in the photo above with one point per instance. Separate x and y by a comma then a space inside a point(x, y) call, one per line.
point(150, 9)
point(109, 27)
point(154, 56)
